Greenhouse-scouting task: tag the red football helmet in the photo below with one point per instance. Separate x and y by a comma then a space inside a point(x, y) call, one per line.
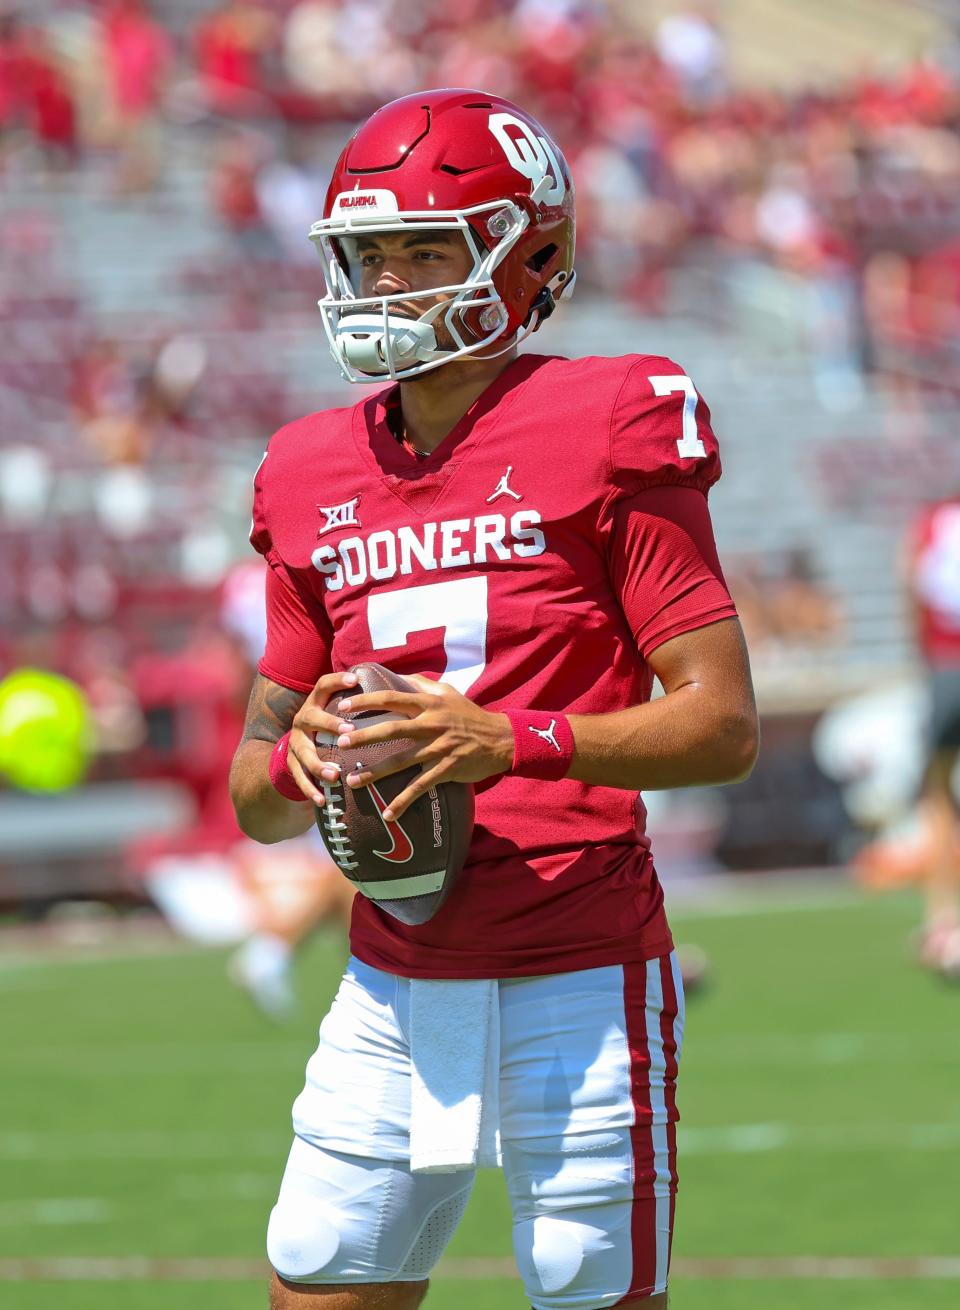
point(454, 160)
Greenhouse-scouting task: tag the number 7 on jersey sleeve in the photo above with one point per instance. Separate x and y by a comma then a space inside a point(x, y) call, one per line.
point(689, 445)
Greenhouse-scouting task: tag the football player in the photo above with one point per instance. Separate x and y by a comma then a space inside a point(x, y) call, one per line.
point(527, 538)
point(934, 574)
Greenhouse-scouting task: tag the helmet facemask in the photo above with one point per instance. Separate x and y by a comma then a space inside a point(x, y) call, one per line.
point(371, 341)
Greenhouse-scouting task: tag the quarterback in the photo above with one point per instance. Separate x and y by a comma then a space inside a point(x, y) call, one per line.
point(526, 538)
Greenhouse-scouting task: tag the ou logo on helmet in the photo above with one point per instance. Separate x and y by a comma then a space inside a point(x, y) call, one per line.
point(532, 156)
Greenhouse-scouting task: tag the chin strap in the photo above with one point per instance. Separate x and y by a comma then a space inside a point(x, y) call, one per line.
point(547, 297)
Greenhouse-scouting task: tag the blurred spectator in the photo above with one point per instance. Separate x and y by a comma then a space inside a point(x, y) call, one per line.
point(347, 56)
point(290, 190)
point(137, 57)
point(231, 45)
point(12, 88)
point(748, 587)
point(691, 44)
point(263, 966)
point(783, 605)
point(178, 371)
point(803, 609)
point(934, 576)
point(25, 484)
point(34, 92)
point(100, 668)
point(108, 392)
point(233, 186)
point(314, 58)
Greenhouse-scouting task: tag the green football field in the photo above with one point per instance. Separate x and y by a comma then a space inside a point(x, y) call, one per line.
point(145, 1120)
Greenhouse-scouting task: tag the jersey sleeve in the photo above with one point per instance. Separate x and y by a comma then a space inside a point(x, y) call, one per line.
point(260, 538)
point(660, 430)
point(299, 634)
point(299, 639)
point(664, 566)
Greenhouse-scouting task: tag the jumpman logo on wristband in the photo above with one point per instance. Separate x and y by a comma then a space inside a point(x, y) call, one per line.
point(547, 734)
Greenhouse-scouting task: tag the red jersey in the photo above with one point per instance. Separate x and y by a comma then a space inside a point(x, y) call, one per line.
point(552, 541)
point(936, 582)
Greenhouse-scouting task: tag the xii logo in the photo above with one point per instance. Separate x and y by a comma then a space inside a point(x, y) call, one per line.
point(339, 516)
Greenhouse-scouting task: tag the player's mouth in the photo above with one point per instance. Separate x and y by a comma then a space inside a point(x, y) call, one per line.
point(400, 309)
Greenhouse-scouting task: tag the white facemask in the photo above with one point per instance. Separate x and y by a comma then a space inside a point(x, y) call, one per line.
point(369, 341)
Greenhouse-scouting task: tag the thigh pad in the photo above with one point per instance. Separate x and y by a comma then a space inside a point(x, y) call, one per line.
point(343, 1218)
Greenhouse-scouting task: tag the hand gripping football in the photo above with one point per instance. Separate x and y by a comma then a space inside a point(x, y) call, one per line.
point(407, 866)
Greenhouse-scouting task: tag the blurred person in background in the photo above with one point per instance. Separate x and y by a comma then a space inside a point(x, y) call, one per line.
point(36, 97)
point(316, 58)
point(934, 575)
point(231, 45)
point(289, 189)
point(138, 56)
point(238, 159)
point(350, 53)
point(782, 602)
point(212, 884)
point(263, 965)
point(691, 43)
point(294, 892)
point(109, 387)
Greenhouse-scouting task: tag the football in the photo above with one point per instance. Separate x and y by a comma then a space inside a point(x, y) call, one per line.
point(407, 866)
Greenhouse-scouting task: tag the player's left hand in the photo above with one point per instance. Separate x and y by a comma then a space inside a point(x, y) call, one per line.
point(455, 740)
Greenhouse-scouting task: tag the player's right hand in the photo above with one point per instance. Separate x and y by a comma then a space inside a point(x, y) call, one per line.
point(303, 759)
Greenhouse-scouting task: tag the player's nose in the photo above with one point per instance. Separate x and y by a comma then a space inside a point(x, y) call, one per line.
point(391, 282)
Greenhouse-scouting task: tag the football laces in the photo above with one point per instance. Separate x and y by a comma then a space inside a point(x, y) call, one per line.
point(334, 827)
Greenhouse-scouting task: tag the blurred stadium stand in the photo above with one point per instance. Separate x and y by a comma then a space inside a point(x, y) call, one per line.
point(799, 45)
point(772, 198)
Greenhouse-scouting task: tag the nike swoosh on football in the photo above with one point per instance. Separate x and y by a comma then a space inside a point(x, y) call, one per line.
point(401, 847)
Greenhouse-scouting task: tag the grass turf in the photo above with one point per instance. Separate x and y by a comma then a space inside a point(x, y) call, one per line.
point(496, 1295)
point(146, 1112)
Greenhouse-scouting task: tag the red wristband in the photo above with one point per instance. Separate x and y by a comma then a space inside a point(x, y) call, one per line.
point(280, 776)
point(542, 744)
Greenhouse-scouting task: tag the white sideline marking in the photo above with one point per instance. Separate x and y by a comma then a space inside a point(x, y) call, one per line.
point(138, 1145)
point(41, 948)
point(63, 1211)
point(821, 1048)
point(246, 1186)
point(128, 1062)
point(742, 904)
point(751, 1139)
point(135, 1269)
point(26, 949)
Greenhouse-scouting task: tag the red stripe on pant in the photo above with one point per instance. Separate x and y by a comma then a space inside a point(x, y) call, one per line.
point(644, 1218)
point(671, 1030)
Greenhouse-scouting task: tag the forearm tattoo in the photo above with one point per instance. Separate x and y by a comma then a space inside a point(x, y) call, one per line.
point(270, 710)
